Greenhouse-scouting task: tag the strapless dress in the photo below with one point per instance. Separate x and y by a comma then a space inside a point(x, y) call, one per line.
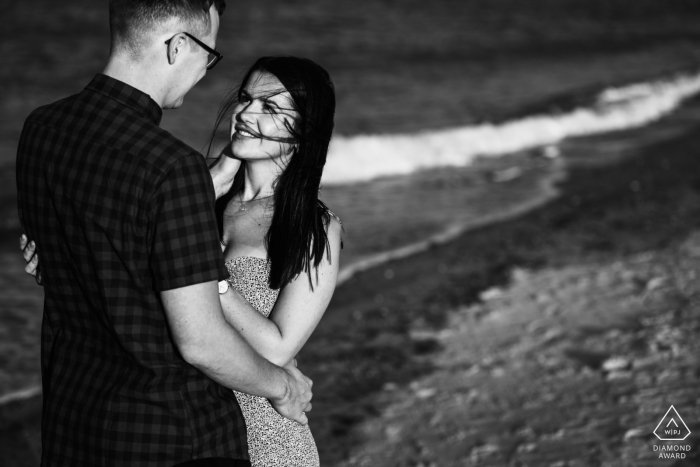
point(273, 440)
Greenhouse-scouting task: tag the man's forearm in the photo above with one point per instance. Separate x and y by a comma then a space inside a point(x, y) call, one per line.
point(230, 361)
point(209, 343)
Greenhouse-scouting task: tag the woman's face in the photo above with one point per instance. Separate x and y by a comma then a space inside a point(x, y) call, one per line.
point(264, 110)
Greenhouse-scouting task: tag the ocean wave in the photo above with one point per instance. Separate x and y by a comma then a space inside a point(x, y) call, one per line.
point(364, 157)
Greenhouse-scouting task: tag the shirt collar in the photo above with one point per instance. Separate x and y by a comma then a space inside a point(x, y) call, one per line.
point(126, 95)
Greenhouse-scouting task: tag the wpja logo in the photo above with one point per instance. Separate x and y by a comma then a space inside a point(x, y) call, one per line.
point(672, 428)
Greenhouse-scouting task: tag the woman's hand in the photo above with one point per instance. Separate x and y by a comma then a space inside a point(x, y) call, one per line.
point(31, 257)
point(223, 170)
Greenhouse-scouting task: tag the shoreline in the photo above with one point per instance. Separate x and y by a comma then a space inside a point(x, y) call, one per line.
point(546, 191)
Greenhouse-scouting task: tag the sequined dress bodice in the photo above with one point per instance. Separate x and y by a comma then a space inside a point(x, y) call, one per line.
point(249, 275)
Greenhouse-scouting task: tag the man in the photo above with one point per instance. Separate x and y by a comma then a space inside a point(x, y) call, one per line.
point(137, 359)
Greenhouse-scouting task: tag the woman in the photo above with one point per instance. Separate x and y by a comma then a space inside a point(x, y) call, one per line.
point(280, 242)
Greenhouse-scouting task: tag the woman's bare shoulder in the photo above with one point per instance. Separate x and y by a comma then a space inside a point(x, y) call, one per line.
point(335, 228)
point(334, 216)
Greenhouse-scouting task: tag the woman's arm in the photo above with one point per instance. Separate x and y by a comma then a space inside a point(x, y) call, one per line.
point(297, 311)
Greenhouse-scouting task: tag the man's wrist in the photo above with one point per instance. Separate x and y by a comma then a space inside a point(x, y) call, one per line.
point(282, 388)
point(222, 173)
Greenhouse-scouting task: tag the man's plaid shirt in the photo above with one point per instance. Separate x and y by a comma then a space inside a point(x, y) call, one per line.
point(120, 210)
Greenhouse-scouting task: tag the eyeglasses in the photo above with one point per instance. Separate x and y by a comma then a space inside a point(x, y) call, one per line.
point(214, 56)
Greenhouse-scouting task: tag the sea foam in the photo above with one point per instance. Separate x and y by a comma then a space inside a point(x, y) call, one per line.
point(364, 157)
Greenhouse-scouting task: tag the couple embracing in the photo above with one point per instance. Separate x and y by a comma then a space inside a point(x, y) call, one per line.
point(171, 320)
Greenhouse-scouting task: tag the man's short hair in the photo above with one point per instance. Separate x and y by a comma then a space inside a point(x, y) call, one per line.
point(132, 22)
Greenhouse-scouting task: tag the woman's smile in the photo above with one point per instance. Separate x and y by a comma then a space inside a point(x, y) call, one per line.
point(242, 133)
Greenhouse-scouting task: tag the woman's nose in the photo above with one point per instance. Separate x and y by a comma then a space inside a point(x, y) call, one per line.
point(247, 113)
point(243, 116)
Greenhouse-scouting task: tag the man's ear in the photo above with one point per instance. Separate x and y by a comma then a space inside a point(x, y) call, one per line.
point(176, 47)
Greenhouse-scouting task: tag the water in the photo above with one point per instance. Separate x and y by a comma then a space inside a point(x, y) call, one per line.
point(361, 158)
point(424, 90)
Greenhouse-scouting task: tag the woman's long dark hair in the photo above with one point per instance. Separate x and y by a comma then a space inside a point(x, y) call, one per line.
point(297, 239)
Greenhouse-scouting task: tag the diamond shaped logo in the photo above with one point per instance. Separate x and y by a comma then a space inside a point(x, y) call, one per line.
point(672, 427)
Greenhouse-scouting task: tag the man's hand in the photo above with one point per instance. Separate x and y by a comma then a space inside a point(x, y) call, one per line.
point(31, 257)
point(223, 171)
point(297, 399)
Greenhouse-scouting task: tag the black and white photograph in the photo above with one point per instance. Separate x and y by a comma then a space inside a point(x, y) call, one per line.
point(302, 233)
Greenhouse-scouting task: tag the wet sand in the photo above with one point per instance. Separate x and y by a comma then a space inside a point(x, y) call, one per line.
point(568, 365)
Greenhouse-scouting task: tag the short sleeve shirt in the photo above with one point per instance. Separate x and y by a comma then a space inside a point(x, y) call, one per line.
point(121, 210)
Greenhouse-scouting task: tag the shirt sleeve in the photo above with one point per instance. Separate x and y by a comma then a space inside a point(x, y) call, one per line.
point(186, 248)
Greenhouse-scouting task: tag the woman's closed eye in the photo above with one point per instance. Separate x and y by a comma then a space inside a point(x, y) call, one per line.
point(270, 107)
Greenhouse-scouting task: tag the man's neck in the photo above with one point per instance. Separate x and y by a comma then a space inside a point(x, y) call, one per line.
point(137, 76)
